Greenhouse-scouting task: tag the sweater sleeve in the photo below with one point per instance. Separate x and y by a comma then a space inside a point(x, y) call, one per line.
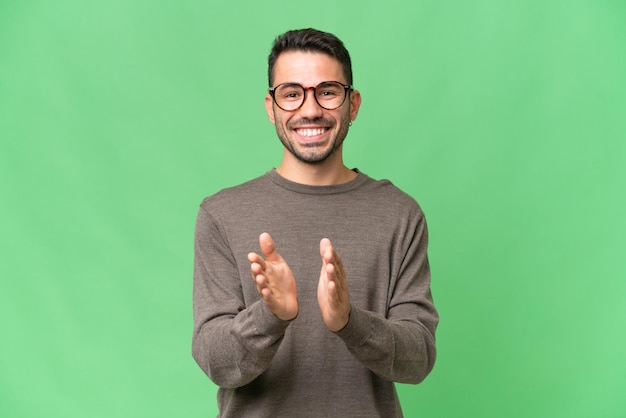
point(232, 343)
point(399, 346)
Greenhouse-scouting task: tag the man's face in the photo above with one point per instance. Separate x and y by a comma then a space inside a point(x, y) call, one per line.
point(311, 133)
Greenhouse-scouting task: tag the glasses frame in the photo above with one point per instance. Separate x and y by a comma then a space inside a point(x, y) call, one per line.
point(347, 88)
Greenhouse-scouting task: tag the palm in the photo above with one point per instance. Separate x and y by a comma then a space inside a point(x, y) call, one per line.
point(332, 289)
point(274, 280)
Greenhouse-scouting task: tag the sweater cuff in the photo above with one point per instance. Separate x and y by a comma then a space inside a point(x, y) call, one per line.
point(266, 322)
point(358, 328)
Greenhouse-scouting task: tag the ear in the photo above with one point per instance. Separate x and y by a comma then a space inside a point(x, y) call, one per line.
point(355, 104)
point(269, 108)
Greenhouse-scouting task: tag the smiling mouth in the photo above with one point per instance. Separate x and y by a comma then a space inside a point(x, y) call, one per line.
point(310, 132)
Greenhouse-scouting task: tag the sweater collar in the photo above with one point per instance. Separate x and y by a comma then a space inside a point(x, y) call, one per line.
point(309, 189)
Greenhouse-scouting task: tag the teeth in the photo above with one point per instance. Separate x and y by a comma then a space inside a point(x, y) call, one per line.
point(311, 132)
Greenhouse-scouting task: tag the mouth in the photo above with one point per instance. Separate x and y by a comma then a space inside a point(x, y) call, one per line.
point(310, 133)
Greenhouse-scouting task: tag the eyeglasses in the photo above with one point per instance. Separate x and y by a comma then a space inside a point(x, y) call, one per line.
point(328, 94)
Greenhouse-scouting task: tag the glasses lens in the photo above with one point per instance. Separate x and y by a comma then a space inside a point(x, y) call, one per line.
point(330, 95)
point(289, 96)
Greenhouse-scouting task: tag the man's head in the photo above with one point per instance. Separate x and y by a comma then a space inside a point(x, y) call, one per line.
point(311, 101)
point(310, 40)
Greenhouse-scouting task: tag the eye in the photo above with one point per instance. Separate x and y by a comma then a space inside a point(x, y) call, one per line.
point(289, 92)
point(292, 94)
point(328, 93)
point(330, 90)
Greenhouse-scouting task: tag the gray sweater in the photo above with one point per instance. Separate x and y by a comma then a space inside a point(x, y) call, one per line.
point(266, 367)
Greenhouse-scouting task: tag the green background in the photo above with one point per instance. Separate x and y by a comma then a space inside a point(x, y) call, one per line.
point(504, 119)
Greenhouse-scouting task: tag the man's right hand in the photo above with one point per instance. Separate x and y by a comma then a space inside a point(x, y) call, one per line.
point(274, 279)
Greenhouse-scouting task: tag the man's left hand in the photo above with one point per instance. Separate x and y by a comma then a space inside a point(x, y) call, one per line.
point(332, 289)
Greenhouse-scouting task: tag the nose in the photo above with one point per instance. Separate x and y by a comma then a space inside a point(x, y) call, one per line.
point(310, 108)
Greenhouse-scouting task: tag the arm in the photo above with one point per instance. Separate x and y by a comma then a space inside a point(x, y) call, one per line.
point(233, 343)
point(399, 346)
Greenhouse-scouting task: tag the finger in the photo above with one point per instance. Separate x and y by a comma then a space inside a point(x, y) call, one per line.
point(334, 282)
point(260, 280)
point(330, 271)
point(330, 275)
point(324, 244)
point(328, 252)
point(330, 256)
point(256, 268)
point(332, 288)
point(335, 274)
point(332, 291)
point(254, 258)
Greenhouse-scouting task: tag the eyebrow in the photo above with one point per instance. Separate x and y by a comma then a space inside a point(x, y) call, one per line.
point(293, 83)
point(289, 84)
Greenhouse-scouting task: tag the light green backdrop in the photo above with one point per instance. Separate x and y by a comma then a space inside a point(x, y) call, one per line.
point(506, 120)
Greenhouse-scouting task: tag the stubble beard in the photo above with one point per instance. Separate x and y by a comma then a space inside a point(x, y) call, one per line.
point(310, 153)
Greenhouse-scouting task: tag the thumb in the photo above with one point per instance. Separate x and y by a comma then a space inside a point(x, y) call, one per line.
point(268, 247)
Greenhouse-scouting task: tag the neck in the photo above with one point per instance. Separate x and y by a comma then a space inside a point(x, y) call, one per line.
point(326, 173)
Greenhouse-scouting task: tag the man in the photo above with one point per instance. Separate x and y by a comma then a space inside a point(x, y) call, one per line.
point(295, 330)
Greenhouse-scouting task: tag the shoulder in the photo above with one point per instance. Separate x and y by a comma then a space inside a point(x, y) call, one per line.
point(232, 196)
point(388, 195)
